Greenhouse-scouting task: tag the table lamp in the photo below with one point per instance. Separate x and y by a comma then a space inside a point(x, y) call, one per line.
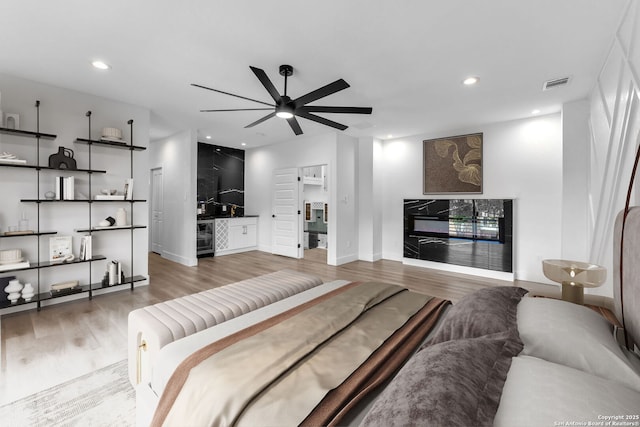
point(574, 276)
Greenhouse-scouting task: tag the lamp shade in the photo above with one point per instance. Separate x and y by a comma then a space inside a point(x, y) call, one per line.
point(582, 273)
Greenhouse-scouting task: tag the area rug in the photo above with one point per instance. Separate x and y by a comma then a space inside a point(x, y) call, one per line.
point(100, 398)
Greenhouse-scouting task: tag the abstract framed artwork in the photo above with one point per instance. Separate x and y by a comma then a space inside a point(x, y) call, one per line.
point(453, 164)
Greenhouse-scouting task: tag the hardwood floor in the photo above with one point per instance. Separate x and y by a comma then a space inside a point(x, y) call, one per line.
point(64, 341)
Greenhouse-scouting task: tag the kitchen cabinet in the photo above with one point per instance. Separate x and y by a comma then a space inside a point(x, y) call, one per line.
point(235, 235)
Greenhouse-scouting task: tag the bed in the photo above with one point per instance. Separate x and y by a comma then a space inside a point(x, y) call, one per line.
point(497, 357)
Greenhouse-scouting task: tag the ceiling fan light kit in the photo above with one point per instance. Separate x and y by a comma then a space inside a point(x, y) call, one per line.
point(290, 109)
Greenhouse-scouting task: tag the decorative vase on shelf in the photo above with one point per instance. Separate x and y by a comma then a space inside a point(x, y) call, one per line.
point(27, 292)
point(13, 289)
point(121, 217)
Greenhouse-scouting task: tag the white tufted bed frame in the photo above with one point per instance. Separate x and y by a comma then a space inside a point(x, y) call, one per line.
point(153, 327)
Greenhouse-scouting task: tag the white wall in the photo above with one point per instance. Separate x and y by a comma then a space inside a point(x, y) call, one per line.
point(575, 158)
point(369, 198)
point(614, 134)
point(304, 151)
point(62, 112)
point(177, 156)
point(262, 161)
point(345, 200)
point(522, 160)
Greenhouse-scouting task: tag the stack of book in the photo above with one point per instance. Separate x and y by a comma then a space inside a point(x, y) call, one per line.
point(65, 188)
point(86, 248)
point(15, 265)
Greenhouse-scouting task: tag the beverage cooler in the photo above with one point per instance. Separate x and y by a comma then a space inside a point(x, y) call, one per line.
point(205, 237)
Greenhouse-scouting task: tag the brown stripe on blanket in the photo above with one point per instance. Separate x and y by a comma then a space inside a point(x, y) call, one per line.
point(380, 366)
point(180, 375)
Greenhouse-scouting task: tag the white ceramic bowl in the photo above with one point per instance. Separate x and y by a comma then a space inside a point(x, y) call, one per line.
point(108, 192)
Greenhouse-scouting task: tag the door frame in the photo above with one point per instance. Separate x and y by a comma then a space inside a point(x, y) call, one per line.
point(152, 229)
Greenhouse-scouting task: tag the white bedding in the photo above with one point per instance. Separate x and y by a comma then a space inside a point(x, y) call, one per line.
point(541, 393)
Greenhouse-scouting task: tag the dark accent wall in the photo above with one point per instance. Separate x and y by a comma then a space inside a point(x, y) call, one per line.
point(468, 232)
point(220, 179)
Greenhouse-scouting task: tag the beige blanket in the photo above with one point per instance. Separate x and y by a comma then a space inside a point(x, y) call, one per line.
point(285, 366)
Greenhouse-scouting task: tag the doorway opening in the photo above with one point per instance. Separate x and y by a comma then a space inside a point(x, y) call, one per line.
point(315, 212)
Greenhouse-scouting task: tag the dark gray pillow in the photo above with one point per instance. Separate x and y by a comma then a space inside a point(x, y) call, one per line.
point(483, 312)
point(454, 383)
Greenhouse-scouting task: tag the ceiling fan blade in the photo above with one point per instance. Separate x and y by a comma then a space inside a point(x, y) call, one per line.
point(231, 94)
point(236, 109)
point(262, 76)
point(347, 110)
point(295, 126)
point(327, 90)
point(257, 122)
point(320, 120)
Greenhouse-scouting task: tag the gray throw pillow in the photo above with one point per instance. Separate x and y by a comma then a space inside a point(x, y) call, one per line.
point(484, 312)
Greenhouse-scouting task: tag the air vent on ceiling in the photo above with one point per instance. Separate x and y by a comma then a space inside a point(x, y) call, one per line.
point(550, 84)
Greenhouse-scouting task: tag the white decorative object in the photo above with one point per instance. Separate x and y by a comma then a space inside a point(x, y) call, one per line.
point(121, 217)
point(27, 292)
point(12, 121)
point(104, 223)
point(13, 289)
point(10, 256)
point(111, 134)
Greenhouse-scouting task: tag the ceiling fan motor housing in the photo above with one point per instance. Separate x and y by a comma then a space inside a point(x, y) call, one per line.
point(286, 70)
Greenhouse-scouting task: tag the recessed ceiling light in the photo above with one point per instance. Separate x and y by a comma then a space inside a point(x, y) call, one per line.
point(208, 136)
point(536, 111)
point(100, 65)
point(389, 136)
point(243, 143)
point(470, 81)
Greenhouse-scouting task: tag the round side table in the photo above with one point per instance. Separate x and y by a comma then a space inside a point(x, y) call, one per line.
point(574, 277)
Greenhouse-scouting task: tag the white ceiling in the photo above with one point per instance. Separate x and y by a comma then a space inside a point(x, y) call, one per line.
point(404, 58)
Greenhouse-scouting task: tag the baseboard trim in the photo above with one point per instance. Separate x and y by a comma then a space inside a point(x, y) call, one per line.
point(189, 262)
point(370, 257)
point(346, 259)
point(499, 275)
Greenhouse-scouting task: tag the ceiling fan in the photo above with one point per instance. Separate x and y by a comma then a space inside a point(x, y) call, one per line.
point(288, 108)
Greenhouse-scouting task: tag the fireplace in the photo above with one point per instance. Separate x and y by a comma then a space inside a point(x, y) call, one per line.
point(468, 232)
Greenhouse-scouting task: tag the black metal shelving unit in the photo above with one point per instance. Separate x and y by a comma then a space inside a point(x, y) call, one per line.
point(131, 280)
point(39, 265)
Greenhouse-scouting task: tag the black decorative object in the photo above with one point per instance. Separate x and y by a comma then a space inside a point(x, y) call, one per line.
point(289, 109)
point(63, 159)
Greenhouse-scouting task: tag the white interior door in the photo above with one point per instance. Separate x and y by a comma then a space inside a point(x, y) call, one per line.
point(156, 210)
point(285, 230)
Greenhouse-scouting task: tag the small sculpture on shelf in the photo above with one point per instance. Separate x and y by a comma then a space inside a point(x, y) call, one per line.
point(27, 292)
point(13, 289)
point(63, 159)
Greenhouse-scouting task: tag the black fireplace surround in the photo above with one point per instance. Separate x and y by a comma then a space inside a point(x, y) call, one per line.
point(468, 232)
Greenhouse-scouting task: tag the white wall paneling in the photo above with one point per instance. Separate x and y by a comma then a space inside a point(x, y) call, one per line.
point(614, 124)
